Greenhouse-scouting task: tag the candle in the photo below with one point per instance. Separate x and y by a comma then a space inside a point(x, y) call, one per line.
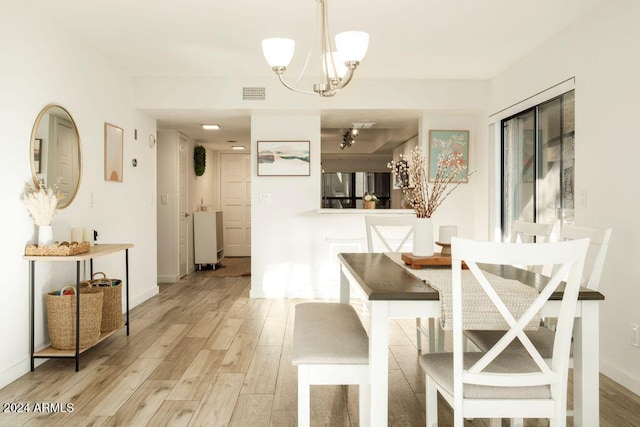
point(76, 234)
point(447, 232)
point(87, 236)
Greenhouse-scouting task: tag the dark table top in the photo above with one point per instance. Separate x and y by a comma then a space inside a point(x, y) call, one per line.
point(382, 279)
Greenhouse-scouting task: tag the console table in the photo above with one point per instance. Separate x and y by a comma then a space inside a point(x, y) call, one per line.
point(95, 252)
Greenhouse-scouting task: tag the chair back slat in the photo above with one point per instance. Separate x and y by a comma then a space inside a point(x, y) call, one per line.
point(530, 232)
point(568, 256)
point(386, 233)
point(596, 254)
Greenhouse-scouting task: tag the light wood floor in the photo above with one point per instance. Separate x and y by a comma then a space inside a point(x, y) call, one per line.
point(203, 353)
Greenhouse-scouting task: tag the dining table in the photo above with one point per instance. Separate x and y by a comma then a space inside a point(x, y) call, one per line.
point(390, 291)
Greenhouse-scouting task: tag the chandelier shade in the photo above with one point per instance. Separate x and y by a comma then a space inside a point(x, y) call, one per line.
point(337, 64)
point(278, 51)
point(352, 45)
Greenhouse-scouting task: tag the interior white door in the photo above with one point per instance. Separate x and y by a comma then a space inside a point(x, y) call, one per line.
point(183, 212)
point(235, 199)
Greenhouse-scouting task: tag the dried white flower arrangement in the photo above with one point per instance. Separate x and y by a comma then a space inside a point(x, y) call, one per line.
point(41, 203)
point(418, 195)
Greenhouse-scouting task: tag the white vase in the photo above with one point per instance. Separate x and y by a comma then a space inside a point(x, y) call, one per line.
point(45, 235)
point(423, 237)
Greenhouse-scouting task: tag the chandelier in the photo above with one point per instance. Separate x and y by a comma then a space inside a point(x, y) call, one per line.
point(338, 66)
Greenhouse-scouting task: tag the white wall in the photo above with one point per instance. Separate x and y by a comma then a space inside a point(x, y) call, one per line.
point(600, 51)
point(42, 64)
point(282, 240)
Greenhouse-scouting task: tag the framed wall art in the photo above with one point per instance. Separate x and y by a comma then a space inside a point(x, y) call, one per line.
point(283, 158)
point(445, 143)
point(113, 152)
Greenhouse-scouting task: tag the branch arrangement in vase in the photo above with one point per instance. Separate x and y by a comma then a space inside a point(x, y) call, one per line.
point(41, 203)
point(417, 194)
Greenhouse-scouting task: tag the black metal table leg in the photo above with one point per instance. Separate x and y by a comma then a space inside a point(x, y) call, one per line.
point(32, 272)
point(126, 256)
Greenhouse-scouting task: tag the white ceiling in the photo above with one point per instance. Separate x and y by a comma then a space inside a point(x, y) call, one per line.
point(409, 39)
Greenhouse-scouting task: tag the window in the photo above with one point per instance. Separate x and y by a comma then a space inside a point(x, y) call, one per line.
point(342, 190)
point(538, 164)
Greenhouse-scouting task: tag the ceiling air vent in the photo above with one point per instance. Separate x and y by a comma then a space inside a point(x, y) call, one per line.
point(253, 94)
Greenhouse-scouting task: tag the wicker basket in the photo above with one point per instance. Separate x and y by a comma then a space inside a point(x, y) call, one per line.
point(111, 301)
point(61, 318)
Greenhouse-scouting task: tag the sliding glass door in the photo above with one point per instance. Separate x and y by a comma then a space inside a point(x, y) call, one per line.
point(538, 165)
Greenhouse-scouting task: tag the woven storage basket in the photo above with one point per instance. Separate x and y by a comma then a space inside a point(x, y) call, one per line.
point(61, 318)
point(111, 301)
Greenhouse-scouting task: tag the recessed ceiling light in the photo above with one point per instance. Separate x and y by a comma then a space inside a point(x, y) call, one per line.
point(237, 147)
point(210, 127)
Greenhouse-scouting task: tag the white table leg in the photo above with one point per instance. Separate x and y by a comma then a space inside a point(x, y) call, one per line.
point(345, 288)
point(379, 361)
point(586, 357)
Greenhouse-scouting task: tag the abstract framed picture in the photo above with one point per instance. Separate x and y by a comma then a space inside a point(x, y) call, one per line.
point(283, 158)
point(113, 152)
point(446, 143)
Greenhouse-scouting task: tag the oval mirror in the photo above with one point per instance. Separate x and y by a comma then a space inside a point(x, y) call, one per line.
point(55, 152)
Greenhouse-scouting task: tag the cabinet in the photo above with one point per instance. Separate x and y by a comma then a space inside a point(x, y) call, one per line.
point(95, 252)
point(208, 243)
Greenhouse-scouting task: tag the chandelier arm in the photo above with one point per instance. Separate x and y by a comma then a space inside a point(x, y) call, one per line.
point(347, 78)
point(288, 86)
point(343, 82)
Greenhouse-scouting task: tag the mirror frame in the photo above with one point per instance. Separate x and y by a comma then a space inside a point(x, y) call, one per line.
point(34, 133)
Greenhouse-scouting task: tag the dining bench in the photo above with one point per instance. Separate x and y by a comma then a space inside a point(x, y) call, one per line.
point(330, 347)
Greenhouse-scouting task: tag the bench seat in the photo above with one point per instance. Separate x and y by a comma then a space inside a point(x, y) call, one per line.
point(330, 346)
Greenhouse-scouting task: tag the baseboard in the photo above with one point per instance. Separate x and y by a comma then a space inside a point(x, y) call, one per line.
point(168, 279)
point(14, 372)
point(140, 298)
point(620, 376)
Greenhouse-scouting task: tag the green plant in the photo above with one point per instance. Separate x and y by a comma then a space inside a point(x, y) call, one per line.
point(199, 159)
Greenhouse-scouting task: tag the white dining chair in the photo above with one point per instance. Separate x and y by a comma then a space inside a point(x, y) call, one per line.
point(394, 233)
point(544, 337)
point(498, 383)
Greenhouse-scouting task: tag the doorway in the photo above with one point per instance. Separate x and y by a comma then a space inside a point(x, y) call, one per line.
point(235, 201)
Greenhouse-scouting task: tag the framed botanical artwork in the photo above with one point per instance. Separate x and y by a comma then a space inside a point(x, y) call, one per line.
point(444, 143)
point(37, 150)
point(283, 158)
point(113, 152)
